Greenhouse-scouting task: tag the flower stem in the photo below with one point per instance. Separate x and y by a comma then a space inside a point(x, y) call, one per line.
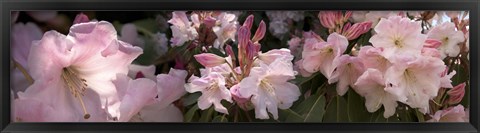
point(24, 72)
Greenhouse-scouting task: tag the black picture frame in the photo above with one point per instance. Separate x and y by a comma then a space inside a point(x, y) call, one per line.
point(6, 6)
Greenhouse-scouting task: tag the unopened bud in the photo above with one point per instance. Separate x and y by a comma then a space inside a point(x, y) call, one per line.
point(209, 59)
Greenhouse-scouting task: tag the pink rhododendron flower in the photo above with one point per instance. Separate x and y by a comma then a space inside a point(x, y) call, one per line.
point(417, 79)
point(398, 35)
point(139, 71)
point(446, 81)
point(269, 89)
point(133, 94)
point(376, 16)
point(73, 73)
point(320, 56)
point(212, 86)
point(182, 29)
point(451, 114)
point(449, 37)
point(371, 85)
point(348, 70)
point(372, 58)
point(23, 36)
point(226, 29)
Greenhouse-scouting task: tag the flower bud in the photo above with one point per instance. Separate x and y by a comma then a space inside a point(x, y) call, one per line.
point(81, 18)
point(432, 43)
point(209, 59)
point(354, 31)
point(248, 22)
point(260, 32)
point(330, 19)
point(456, 94)
point(243, 38)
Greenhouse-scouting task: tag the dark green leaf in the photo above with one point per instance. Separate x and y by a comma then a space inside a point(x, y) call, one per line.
point(336, 110)
point(188, 117)
point(191, 98)
point(220, 118)
point(207, 115)
point(357, 112)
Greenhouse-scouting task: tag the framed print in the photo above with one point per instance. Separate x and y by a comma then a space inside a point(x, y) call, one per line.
point(213, 66)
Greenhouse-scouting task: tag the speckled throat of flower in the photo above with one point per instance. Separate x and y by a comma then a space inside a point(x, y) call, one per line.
point(76, 85)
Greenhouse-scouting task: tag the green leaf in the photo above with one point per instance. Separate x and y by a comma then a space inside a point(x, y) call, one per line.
point(220, 118)
point(336, 110)
point(420, 116)
point(207, 115)
point(191, 98)
point(357, 112)
point(310, 110)
point(188, 117)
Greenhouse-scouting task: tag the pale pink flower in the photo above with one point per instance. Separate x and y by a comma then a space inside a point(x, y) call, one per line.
point(269, 89)
point(23, 36)
point(129, 34)
point(348, 70)
point(371, 85)
point(398, 35)
point(417, 79)
point(139, 71)
point(225, 30)
point(455, 95)
point(372, 58)
point(73, 73)
point(209, 59)
point(182, 29)
point(169, 88)
point(376, 16)
point(133, 94)
point(294, 44)
point(446, 77)
point(320, 56)
point(213, 91)
point(451, 114)
point(449, 37)
point(298, 66)
point(275, 54)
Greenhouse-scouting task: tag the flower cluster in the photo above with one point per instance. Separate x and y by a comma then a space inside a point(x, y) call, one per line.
point(219, 66)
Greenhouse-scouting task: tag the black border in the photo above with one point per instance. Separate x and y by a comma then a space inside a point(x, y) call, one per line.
point(10, 5)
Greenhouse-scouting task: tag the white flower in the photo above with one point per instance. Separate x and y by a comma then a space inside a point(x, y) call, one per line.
point(212, 86)
point(398, 35)
point(268, 88)
point(450, 38)
point(182, 29)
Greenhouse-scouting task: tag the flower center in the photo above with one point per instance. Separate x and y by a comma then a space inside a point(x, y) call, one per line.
point(398, 43)
point(265, 85)
point(76, 85)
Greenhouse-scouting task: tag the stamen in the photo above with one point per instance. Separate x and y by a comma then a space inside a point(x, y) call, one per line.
point(77, 87)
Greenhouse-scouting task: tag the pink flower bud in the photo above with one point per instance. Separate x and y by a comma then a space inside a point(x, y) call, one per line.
point(260, 32)
point(81, 18)
point(209, 59)
point(456, 94)
point(328, 18)
point(348, 14)
point(251, 51)
point(432, 43)
point(243, 38)
point(229, 51)
point(354, 31)
point(248, 22)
